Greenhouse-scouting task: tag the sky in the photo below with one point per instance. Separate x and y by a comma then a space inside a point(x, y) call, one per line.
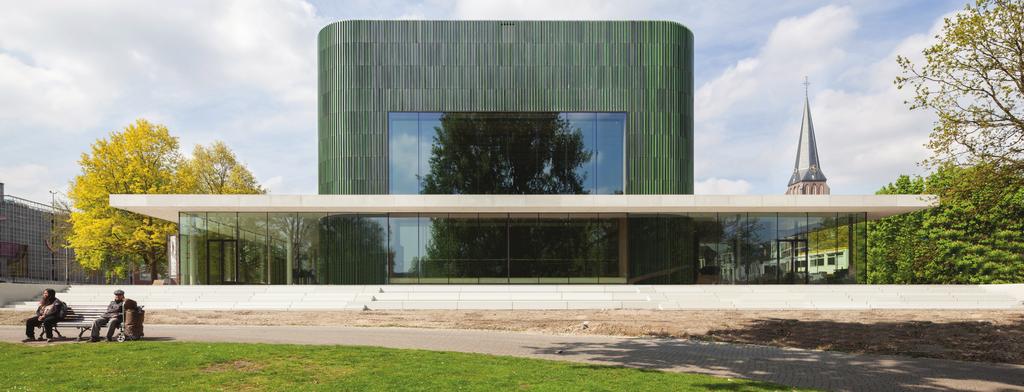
point(244, 72)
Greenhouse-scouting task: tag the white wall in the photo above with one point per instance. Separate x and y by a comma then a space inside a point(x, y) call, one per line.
point(17, 292)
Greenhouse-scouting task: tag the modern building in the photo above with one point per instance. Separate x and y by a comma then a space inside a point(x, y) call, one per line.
point(526, 152)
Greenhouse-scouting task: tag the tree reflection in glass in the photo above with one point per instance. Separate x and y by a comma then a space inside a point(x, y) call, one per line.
point(506, 153)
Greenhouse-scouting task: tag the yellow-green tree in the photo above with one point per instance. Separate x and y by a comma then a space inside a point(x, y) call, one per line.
point(140, 159)
point(216, 170)
point(143, 158)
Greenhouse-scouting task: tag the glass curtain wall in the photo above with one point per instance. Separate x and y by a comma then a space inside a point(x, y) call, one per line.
point(702, 248)
point(748, 248)
point(506, 153)
point(503, 248)
point(250, 248)
point(660, 248)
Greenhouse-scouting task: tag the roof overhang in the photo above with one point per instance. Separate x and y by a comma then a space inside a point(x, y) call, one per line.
point(168, 207)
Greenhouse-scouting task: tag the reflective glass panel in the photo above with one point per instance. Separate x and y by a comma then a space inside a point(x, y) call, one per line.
point(403, 144)
point(506, 153)
point(609, 163)
point(434, 240)
point(707, 238)
point(193, 247)
point(221, 245)
point(731, 247)
point(405, 249)
point(254, 265)
point(295, 246)
point(822, 247)
point(759, 258)
point(792, 247)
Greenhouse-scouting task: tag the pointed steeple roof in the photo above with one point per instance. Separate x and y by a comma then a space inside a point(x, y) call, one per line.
point(807, 167)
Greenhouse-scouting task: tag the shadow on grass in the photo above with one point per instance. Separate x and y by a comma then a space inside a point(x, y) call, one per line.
point(819, 369)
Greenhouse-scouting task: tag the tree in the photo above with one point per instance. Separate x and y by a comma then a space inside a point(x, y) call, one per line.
point(975, 236)
point(974, 80)
point(141, 159)
point(216, 170)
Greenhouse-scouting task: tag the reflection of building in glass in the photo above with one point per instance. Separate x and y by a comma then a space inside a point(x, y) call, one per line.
point(520, 152)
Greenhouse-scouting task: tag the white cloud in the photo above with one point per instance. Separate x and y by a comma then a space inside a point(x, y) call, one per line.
point(866, 135)
point(273, 184)
point(806, 45)
point(35, 95)
point(239, 71)
point(245, 72)
point(721, 186)
point(27, 181)
point(545, 10)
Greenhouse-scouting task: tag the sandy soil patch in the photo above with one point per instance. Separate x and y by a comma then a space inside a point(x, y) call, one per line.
point(983, 335)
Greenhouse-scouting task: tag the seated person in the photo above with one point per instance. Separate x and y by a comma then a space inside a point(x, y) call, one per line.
point(47, 315)
point(112, 317)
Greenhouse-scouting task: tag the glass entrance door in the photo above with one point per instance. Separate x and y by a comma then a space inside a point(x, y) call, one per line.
point(222, 261)
point(792, 257)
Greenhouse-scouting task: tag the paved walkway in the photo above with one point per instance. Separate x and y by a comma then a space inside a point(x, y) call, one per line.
point(802, 368)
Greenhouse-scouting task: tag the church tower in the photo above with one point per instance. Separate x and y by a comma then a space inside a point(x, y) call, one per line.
point(807, 178)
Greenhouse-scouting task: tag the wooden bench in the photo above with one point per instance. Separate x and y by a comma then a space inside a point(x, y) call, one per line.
point(81, 317)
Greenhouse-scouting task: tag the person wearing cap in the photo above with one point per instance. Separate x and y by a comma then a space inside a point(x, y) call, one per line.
point(111, 317)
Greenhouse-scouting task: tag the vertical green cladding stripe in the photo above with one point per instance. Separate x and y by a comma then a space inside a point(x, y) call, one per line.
point(369, 68)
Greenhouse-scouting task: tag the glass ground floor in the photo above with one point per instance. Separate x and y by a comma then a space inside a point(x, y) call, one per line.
point(701, 248)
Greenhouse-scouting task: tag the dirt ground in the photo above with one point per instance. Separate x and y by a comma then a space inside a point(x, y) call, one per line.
point(983, 335)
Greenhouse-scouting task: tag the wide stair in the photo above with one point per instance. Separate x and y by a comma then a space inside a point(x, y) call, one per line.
point(549, 297)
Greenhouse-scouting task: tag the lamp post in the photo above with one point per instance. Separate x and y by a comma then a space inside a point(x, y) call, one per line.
point(53, 249)
point(53, 239)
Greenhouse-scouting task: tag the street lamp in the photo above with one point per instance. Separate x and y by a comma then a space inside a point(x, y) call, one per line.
point(53, 239)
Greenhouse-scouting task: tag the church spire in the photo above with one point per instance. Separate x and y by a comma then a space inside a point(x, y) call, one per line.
point(807, 178)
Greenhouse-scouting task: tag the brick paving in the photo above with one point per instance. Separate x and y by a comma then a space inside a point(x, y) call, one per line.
point(794, 367)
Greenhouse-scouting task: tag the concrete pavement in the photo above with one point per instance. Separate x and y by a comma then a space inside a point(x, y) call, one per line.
point(794, 367)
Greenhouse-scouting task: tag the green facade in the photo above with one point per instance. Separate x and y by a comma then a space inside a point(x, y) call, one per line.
point(370, 68)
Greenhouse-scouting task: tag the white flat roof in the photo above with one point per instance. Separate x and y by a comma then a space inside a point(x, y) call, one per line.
point(167, 207)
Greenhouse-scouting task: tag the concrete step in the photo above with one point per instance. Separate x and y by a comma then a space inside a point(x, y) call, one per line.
point(554, 296)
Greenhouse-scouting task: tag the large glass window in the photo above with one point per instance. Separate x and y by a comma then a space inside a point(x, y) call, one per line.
point(506, 153)
point(404, 249)
point(403, 148)
point(708, 247)
point(792, 247)
point(823, 252)
point(295, 247)
point(253, 265)
point(346, 248)
point(661, 248)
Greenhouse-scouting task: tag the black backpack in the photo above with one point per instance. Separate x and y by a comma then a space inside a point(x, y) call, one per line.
point(63, 311)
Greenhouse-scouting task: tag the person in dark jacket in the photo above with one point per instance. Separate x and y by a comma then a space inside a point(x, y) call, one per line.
point(47, 315)
point(111, 317)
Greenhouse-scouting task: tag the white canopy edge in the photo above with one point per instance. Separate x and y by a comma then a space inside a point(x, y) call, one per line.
point(167, 207)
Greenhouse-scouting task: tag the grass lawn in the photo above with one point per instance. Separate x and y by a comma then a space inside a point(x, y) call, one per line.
point(240, 367)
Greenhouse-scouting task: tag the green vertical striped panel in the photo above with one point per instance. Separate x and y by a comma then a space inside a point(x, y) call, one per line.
point(370, 68)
